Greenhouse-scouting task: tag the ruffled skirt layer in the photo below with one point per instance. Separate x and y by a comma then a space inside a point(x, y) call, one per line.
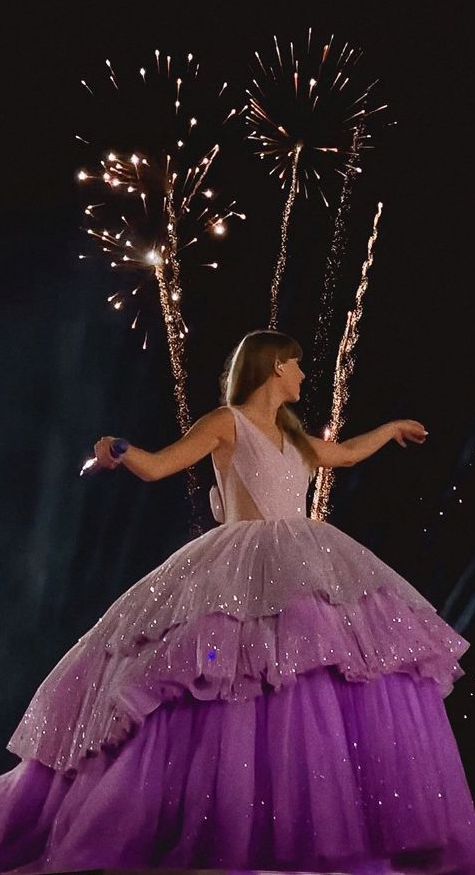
point(324, 775)
point(245, 605)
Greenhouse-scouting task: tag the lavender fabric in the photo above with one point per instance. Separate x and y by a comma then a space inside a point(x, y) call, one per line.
point(269, 697)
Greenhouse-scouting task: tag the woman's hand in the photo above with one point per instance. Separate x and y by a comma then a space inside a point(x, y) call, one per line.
point(103, 454)
point(409, 430)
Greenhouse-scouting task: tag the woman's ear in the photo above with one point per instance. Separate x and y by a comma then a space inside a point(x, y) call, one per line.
point(278, 367)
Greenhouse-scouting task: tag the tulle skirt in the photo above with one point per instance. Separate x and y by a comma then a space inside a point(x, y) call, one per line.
point(322, 775)
point(270, 697)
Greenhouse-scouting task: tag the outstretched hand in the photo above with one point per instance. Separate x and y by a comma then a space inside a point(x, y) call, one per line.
point(409, 430)
point(103, 454)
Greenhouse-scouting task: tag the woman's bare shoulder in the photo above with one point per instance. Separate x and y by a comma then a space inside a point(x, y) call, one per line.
point(222, 420)
point(224, 428)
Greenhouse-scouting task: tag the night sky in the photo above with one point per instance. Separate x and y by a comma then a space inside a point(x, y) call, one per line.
point(72, 370)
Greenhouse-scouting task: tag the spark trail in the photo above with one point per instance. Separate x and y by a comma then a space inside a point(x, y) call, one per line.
point(345, 364)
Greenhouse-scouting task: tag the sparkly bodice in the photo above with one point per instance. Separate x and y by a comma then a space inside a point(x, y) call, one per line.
point(261, 482)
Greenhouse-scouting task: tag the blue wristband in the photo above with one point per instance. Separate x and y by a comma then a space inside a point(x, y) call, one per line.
point(118, 448)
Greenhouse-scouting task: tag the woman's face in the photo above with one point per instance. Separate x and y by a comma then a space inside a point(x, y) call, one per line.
point(291, 376)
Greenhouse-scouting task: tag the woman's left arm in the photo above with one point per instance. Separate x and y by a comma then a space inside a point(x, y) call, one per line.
point(347, 453)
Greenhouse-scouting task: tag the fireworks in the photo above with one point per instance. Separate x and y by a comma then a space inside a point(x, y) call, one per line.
point(308, 117)
point(314, 102)
point(332, 266)
point(343, 370)
point(284, 231)
point(143, 238)
point(156, 208)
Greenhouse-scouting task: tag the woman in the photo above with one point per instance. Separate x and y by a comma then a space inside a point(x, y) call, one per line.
point(268, 697)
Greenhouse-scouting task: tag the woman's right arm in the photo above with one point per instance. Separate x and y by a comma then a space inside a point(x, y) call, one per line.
point(331, 454)
point(204, 436)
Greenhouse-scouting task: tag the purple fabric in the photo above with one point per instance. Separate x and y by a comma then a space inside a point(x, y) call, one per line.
point(323, 775)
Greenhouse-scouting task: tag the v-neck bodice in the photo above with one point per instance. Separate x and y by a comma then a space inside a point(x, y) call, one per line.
point(262, 482)
point(281, 449)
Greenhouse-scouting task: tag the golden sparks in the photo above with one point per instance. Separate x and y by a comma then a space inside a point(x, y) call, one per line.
point(344, 368)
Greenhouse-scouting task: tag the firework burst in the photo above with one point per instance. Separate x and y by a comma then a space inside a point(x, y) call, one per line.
point(314, 102)
point(308, 117)
point(152, 220)
point(152, 205)
point(344, 368)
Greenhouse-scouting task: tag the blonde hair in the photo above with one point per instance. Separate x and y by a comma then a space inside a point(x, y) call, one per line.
point(249, 365)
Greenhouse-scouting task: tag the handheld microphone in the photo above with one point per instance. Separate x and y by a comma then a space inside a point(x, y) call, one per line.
point(118, 447)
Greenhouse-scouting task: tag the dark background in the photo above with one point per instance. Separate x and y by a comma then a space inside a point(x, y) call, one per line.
point(72, 370)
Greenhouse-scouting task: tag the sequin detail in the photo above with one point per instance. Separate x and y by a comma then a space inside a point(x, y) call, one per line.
point(249, 604)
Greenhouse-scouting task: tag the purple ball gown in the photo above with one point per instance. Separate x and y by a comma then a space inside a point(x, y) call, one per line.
point(270, 697)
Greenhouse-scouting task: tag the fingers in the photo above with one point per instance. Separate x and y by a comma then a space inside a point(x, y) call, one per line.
point(411, 430)
point(415, 436)
point(415, 430)
point(102, 453)
point(413, 424)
